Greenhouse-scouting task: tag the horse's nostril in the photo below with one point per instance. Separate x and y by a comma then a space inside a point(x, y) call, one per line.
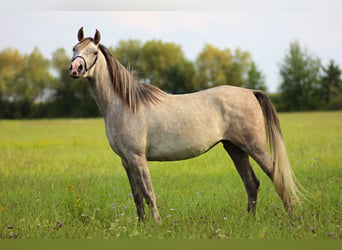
point(80, 67)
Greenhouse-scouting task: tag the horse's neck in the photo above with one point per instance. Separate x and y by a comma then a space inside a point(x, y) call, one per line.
point(102, 89)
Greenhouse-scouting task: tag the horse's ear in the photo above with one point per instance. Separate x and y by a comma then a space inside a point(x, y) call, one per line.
point(80, 34)
point(97, 37)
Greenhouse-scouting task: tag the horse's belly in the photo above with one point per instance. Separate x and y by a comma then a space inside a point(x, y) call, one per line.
point(173, 154)
point(179, 148)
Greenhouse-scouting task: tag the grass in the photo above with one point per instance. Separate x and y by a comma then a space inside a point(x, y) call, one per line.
point(59, 179)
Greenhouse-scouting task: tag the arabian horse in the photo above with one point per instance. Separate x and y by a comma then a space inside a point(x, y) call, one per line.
point(144, 123)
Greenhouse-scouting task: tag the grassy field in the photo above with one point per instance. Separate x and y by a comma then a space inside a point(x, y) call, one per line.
point(59, 179)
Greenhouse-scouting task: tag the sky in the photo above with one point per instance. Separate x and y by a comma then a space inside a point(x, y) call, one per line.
point(265, 28)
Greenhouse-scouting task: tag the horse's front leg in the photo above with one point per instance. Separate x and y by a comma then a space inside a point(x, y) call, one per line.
point(140, 175)
point(136, 190)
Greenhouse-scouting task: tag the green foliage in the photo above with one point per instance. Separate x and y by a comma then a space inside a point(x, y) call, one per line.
point(164, 65)
point(306, 84)
point(331, 82)
point(255, 79)
point(11, 64)
point(61, 180)
point(159, 63)
point(32, 86)
point(300, 84)
point(217, 67)
point(23, 80)
point(23, 77)
point(129, 53)
point(180, 78)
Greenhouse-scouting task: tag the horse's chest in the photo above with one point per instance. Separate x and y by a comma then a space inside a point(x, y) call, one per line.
point(114, 139)
point(126, 139)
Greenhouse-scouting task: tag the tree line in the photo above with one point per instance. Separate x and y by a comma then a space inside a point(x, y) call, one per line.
point(32, 86)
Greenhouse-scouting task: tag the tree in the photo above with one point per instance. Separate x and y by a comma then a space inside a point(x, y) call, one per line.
point(241, 62)
point(11, 64)
point(212, 66)
point(23, 77)
point(23, 81)
point(331, 81)
point(129, 53)
point(180, 78)
point(164, 65)
point(255, 79)
point(216, 67)
point(300, 73)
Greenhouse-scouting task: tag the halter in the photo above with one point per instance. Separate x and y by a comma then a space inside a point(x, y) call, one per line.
point(85, 63)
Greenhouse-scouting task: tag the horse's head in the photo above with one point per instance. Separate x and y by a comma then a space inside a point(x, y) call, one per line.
point(85, 55)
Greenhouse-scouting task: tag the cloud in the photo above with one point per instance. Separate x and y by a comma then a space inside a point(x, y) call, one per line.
point(147, 21)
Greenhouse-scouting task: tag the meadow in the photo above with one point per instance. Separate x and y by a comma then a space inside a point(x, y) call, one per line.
point(59, 179)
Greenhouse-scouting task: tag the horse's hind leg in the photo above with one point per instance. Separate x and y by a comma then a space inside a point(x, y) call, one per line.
point(241, 162)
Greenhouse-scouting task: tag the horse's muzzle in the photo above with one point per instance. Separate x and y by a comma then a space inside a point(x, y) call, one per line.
point(76, 68)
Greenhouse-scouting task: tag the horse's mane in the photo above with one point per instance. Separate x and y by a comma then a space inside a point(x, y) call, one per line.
point(126, 85)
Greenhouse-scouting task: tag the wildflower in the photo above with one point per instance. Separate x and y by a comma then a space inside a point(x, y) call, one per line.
point(70, 189)
point(13, 235)
point(78, 198)
point(225, 218)
point(332, 235)
point(59, 223)
point(130, 195)
point(9, 227)
point(125, 207)
point(113, 189)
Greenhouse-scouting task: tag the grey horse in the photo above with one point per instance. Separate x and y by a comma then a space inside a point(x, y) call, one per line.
point(144, 123)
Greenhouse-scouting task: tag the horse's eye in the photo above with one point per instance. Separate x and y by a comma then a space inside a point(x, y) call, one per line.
point(73, 49)
point(95, 53)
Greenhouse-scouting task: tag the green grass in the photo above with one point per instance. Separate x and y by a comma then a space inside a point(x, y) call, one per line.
point(59, 179)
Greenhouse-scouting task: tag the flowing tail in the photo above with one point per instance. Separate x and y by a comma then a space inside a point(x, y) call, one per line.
point(283, 177)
